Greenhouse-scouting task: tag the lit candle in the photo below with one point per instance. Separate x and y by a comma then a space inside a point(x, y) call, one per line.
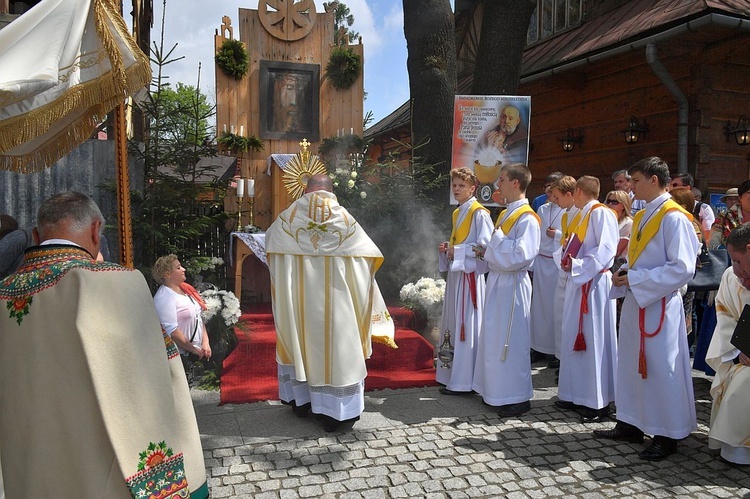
point(251, 187)
point(242, 130)
point(232, 129)
point(240, 187)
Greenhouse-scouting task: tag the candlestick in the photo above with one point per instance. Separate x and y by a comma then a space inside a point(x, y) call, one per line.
point(251, 187)
point(250, 217)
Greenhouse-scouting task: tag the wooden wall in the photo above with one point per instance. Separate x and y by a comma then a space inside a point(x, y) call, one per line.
point(599, 99)
point(238, 104)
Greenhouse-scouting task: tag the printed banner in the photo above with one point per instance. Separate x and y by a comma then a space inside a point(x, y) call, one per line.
point(490, 131)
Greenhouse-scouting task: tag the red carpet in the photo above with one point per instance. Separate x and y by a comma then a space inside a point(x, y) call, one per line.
point(250, 370)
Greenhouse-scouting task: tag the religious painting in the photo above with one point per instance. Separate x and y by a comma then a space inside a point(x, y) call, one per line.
point(490, 131)
point(289, 101)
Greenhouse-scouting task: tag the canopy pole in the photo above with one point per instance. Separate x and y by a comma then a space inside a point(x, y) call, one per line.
point(124, 226)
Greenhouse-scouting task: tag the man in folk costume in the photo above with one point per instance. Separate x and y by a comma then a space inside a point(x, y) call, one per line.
point(562, 193)
point(502, 375)
point(730, 430)
point(87, 373)
point(546, 274)
point(465, 286)
point(588, 344)
point(326, 305)
point(654, 387)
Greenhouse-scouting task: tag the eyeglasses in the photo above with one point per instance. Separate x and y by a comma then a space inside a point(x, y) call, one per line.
point(612, 201)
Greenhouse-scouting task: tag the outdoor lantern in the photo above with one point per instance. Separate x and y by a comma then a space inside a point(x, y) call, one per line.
point(740, 131)
point(634, 130)
point(570, 140)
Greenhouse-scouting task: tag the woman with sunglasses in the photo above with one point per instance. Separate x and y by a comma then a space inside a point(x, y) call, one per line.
point(619, 201)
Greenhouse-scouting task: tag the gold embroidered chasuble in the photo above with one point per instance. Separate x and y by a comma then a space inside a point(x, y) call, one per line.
point(327, 306)
point(94, 397)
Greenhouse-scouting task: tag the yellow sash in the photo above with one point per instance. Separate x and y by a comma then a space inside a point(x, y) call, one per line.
point(645, 234)
point(514, 216)
point(584, 225)
point(460, 233)
point(567, 229)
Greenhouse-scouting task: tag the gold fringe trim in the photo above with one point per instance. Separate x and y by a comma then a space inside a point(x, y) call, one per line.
point(385, 340)
point(98, 96)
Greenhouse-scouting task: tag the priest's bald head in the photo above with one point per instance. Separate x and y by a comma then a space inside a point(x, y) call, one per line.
point(319, 182)
point(71, 216)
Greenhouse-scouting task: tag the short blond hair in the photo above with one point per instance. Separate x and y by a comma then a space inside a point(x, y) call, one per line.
point(464, 174)
point(589, 185)
point(564, 184)
point(162, 267)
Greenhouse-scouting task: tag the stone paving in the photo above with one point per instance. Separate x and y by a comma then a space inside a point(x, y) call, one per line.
point(419, 443)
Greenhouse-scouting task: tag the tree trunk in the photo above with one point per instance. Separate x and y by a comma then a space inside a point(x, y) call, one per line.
point(498, 64)
point(430, 40)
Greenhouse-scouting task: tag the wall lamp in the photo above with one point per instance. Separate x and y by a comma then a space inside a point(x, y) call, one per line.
point(740, 131)
point(571, 140)
point(634, 130)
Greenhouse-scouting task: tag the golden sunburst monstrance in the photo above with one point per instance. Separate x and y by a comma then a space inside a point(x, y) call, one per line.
point(300, 169)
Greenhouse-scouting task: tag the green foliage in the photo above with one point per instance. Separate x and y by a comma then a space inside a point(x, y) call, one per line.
point(240, 144)
point(343, 20)
point(390, 200)
point(180, 209)
point(343, 68)
point(232, 59)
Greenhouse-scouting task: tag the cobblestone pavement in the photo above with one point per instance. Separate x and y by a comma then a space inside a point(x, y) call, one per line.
point(419, 443)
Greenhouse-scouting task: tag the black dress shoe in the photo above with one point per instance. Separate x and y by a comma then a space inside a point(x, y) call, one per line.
point(513, 410)
point(554, 363)
point(537, 356)
point(566, 405)
point(659, 449)
point(589, 415)
point(301, 410)
point(446, 391)
point(330, 424)
point(621, 432)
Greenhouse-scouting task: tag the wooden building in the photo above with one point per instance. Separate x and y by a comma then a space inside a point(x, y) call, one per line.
point(679, 68)
point(303, 38)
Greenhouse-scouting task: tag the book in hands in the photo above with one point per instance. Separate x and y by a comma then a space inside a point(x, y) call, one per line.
point(571, 249)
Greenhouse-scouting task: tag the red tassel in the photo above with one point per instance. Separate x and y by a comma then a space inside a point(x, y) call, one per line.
point(580, 344)
point(463, 334)
point(642, 364)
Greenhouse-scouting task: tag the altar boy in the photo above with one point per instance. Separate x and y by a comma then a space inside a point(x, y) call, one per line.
point(588, 345)
point(502, 375)
point(465, 284)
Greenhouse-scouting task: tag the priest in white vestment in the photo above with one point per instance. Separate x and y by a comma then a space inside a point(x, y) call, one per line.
point(465, 284)
point(588, 345)
point(730, 425)
point(93, 394)
point(326, 305)
point(502, 375)
point(654, 386)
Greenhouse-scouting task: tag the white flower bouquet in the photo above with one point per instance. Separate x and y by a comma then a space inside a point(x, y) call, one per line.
point(425, 296)
point(221, 314)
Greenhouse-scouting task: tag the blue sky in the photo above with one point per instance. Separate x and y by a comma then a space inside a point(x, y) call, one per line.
point(192, 23)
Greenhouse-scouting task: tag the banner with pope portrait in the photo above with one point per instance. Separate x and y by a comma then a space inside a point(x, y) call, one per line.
point(490, 131)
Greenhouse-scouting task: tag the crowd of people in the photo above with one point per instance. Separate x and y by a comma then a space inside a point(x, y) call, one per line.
point(597, 288)
point(601, 290)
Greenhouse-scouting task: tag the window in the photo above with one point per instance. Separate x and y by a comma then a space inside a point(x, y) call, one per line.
point(556, 15)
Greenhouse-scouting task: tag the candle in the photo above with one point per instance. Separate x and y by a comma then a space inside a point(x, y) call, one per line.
point(351, 131)
point(242, 130)
point(240, 187)
point(232, 129)
point(225, 127)
point(251, 187)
